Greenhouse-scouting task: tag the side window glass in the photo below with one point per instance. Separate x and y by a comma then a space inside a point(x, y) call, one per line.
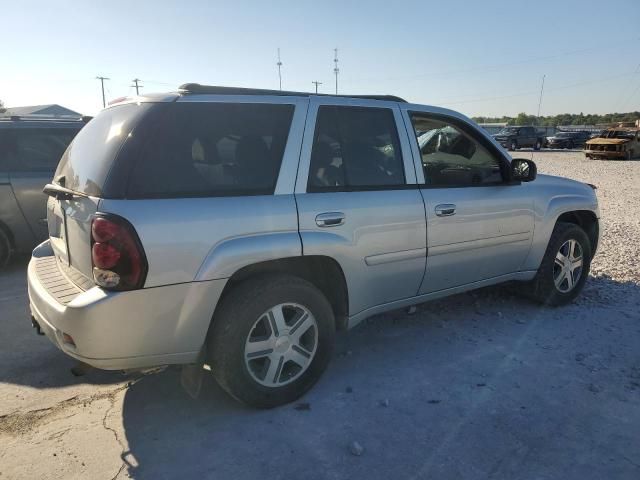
point(212, 149)
point(450, 157)
point(40, 149)
point(355, 148)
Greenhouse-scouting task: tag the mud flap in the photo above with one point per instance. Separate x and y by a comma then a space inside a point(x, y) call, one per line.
point(191, 379)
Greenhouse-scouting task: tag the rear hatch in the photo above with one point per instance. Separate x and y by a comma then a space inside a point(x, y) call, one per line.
point(79, 183)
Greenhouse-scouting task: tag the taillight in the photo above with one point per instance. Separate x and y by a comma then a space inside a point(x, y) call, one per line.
point(118, 259)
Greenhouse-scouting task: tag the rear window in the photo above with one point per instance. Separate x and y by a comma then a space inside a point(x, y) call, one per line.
point(86, 162)
point(210, 149)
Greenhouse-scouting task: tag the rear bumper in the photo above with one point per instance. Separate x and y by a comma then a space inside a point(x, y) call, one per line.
point(123, 330)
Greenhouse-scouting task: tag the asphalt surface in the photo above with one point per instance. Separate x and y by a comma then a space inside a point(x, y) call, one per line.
point(480, 385)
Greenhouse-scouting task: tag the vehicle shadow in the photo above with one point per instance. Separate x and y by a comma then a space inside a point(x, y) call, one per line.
point(419, 392)
point(25, 357)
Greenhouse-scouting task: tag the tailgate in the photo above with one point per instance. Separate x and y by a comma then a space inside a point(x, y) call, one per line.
point(69, 223)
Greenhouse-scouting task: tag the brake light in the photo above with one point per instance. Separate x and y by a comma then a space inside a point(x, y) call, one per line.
point(119, 262)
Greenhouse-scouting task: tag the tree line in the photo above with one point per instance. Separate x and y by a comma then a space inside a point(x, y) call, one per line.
point(562, 119)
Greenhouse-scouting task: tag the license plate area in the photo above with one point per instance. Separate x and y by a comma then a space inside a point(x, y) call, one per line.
point(57, 224)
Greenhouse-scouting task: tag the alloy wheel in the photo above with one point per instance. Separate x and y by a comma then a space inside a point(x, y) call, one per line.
point(281, 345)
point(568, 266)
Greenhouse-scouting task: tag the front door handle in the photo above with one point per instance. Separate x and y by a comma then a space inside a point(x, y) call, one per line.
point(445, 209)
point(330, 219)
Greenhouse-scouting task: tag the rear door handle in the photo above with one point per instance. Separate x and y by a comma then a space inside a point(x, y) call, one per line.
point(330, 219)
point(445, 209)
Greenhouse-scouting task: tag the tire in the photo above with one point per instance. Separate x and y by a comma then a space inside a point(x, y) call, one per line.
point(5, 249)
point(245, 314)
point(538, 145)
point(513, 145)
point(629, 155)
point(570, 146)
point(543, 287)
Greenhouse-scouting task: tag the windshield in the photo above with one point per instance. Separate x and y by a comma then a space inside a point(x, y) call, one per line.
point(508, 131)
point(619, 134)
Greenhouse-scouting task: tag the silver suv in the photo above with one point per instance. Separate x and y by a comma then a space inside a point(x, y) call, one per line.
point(238, 229)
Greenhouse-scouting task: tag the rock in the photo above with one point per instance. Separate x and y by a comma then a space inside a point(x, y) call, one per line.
point(356, 449)
point(348, 390)
point(385, 402)
point(433, 401)
point(500, 314)
point(580, 357)
point(303, 406)
point(521, 321)
point(593, 388)
point(481, 384)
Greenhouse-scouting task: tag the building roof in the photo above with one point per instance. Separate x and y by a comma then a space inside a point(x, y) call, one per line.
point(51, 109)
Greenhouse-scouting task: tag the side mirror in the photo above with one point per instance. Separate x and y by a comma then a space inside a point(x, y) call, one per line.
point(523, 170)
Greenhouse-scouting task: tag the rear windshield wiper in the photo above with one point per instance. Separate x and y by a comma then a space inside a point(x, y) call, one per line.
point(61, 193)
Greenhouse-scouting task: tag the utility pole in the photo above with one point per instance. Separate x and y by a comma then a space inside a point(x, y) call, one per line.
point(279, 64)
point(540, 101)
point(336, 70)
point(137, 87)
point(316, 83)
point(102, 79)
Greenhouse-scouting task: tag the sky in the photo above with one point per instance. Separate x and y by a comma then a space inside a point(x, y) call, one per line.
point(478, 57)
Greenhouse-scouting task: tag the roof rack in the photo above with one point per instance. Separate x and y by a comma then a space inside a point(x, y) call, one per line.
point(196, 88)
point(45, 118)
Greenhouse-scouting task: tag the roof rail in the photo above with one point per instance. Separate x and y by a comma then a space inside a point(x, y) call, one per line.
point(45, 118)
point(196, 88)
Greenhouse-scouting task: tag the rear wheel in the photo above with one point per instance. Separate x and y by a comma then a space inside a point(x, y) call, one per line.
point(629, 155)
point(570, 145)
point(5, 249)
point(538, 145)
point(513, 145)
point(564, 268)
point(271, 340)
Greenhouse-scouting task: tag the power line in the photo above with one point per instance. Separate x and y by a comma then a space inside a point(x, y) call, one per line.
point(137, 87)
point(102, 79)
point(316, 83)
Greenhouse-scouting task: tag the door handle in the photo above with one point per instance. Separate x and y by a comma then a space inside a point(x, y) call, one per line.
point(330, 219)
point(445, 209)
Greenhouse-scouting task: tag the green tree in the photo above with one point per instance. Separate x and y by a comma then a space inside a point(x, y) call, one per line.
point(2, 109)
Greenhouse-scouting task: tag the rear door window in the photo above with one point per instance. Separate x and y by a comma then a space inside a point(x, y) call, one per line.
point(355, 148)
point(211, 149)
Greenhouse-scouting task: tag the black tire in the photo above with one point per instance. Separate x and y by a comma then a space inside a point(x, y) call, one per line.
point(5, 249)
point(629, 155)
point(570, 145)
point(513, 145)
point(233, 323)
point(538, 145)
point(543, 288)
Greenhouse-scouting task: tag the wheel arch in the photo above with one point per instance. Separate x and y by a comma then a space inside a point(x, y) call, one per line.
point(324, 272)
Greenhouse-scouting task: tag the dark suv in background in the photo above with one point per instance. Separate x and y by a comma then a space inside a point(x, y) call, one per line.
point(30, 148)
point(568, 139)
point(513, 138)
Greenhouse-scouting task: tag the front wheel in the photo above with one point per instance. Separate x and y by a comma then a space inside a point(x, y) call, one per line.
point(564, 268)
point(272, 338)
point(513, 145)
point(538, 145)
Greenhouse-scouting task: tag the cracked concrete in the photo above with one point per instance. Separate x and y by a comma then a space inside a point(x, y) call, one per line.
point(480, 385)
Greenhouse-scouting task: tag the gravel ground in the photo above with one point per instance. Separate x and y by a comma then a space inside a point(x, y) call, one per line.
point(480, 385)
